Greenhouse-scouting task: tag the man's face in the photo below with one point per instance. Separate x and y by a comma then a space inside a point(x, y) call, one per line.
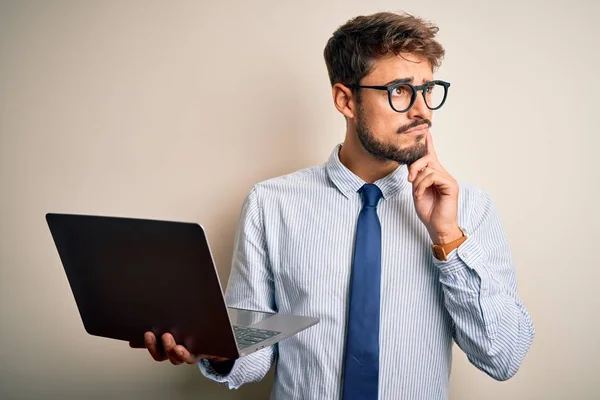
point(383, 132)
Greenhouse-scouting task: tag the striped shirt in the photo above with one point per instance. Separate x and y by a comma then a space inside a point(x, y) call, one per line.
point(293, 252)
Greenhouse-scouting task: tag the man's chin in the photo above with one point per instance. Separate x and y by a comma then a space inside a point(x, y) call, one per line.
point(391, 151)
point(401, 156)
point(408, 156)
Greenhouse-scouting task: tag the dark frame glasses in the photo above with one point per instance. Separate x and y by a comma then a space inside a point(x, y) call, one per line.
point(422, 88)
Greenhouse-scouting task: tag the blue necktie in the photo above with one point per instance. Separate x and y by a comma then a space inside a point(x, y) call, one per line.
point(361, 361)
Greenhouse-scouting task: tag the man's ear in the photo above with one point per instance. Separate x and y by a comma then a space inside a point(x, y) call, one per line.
point(344, 100)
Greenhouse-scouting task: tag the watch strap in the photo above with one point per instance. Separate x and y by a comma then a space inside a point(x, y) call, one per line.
point(441, 251)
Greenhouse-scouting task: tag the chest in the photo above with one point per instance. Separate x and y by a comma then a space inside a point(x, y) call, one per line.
point(311, 250)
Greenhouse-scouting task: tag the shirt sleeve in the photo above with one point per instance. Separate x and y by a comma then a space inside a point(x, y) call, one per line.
point(250, 286)
point(491, 324)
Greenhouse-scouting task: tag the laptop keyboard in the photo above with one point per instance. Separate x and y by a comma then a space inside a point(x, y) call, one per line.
point(249, 336)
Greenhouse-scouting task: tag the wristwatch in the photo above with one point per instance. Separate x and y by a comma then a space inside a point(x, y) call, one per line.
point(441, 251)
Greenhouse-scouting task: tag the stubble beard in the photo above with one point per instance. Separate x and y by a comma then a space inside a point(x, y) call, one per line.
point(388, 151)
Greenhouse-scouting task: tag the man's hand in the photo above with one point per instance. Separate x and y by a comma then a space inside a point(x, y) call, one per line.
point(169, 350)
point(435, 194)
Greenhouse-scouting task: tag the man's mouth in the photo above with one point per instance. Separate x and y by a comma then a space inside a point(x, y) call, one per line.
point(420, 126)
point(418, 129)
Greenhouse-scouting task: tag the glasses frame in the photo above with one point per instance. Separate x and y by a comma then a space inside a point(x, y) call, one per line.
point(415, 89)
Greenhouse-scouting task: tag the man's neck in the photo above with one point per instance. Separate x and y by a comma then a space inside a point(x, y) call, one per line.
point(354, 157)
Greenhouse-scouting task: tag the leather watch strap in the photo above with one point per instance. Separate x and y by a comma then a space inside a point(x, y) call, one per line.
point(441, 251)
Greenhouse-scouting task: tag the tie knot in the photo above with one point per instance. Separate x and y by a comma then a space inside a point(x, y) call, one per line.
point(370, 194)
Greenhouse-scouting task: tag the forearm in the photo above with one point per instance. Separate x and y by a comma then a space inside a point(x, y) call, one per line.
point(250, 286)
point(491, 324)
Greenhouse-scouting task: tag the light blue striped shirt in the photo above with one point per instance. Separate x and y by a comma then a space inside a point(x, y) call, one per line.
point(293, 252)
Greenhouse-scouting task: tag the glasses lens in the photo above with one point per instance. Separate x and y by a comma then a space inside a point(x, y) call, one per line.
point(402, 97)
point(434, 95)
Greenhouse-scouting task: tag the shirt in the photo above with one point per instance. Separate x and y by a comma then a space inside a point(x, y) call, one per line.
point(292, 254)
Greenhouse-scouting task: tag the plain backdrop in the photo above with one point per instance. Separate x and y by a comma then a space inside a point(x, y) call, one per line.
point(174, 109)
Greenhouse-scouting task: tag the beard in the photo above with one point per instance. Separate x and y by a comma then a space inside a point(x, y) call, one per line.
point(387, 151)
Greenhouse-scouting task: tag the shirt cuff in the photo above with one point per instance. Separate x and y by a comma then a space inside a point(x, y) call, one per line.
point(208, 371)
point(467, 255)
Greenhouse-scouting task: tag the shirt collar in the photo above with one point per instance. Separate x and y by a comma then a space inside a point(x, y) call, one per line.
point(348, 183)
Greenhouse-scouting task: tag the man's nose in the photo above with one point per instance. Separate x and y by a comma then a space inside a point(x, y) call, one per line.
point(419, 110)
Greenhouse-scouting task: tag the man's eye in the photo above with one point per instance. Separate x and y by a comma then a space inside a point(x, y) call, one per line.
point(401, 90)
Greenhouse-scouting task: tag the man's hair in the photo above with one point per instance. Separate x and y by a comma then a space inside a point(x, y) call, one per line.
point(354, 46)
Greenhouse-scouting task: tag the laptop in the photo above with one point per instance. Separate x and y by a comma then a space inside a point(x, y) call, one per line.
point(129, 276)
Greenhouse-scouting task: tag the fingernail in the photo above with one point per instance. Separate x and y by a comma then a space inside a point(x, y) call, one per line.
point(180, 353)
point(167, 341)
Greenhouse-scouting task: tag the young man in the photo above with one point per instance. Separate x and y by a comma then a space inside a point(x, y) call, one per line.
point(381, 243)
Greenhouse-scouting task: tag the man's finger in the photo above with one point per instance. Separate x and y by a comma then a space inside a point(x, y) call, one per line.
point(153, 347)
point(184, 355)
point(169, 344)
point(419, 165)
point(428, 181)
point(430, 148)
point(442, 183)
point(174, 359)
point(429, 160)
point(422, 175)
point(435, 162)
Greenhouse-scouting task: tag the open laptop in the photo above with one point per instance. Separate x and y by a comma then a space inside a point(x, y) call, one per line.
point(129, 276)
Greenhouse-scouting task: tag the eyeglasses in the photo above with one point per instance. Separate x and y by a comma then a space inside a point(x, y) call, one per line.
point(402, 95)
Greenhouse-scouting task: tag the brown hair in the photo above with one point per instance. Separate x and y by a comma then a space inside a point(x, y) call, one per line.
point(350, 52)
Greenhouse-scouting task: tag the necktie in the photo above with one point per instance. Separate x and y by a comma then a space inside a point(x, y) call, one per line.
point(361, 361)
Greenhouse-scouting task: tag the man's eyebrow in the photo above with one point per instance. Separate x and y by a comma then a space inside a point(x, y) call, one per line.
point(400, 80)
point(406, 80)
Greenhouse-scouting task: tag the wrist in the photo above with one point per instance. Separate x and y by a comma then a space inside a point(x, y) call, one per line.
point(446, 245)
point(442, 238)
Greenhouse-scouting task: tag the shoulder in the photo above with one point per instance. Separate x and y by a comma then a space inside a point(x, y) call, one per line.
point(292, 183)
point(475, 206)
point(471, 195)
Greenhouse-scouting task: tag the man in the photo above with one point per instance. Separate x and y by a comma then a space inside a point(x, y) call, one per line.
point(381, 243)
